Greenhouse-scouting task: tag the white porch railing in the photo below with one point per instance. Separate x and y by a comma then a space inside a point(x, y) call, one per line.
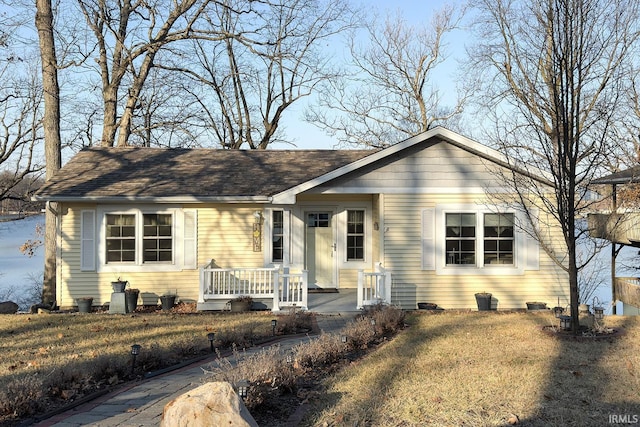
point(374, 288)
point(287, 289)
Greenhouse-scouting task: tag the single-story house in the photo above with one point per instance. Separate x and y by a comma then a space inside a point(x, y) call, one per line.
point(414, 222)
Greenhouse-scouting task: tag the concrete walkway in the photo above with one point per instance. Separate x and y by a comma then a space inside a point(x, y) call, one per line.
point(142, 403)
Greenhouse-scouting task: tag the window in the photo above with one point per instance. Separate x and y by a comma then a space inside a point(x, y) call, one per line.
point(355, 235)
point(498, 238)
point(121, 238)
point(277, 236)
point(318, 219)
point(460, 238)
point(157, 238)
point(468, 239)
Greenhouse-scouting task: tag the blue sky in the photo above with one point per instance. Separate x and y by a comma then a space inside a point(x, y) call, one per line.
point(307, 136)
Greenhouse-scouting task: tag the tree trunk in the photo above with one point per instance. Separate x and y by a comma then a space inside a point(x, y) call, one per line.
point(52, 140)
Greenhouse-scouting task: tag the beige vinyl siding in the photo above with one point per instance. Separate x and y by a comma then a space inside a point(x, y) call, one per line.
point(437, 165)
point(225, 234)
point(411, 284)
point(98, 285)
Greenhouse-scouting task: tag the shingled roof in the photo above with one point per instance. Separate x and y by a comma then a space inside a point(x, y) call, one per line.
point(99, 173)
point(627, 176)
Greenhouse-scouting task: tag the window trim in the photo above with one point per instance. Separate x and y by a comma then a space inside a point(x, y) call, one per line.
point(177, 231)
point(439, 244)
point(363, 234)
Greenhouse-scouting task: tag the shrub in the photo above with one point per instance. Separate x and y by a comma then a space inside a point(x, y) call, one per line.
point(22, 396)
point(266, 371)
point(294, 322)
point(320, 351)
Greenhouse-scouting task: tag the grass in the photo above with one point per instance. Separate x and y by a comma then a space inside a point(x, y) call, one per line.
point(473, 368)
point(53, 359)
point(486, 369)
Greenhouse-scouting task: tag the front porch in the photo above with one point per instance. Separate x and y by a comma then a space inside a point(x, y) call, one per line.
point(280, 289)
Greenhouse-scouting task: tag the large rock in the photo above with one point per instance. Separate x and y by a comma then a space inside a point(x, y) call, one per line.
point(211, 404)
point(8, 307)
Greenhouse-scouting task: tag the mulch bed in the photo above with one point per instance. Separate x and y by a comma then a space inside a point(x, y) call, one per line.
point(584, 333)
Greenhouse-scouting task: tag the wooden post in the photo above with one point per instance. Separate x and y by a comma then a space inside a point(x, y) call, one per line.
point(613, 255)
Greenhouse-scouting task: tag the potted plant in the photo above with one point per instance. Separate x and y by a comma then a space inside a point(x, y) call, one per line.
point(118, 285)
point(241, 303)
point(84, 304)
point(167, 301)
point(483, 299)
point(536, 305)
point(131, 297)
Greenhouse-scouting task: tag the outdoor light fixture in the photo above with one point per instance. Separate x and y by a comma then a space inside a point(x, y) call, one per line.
point(274, 322)
point(343, 338)
point(565, 322)
point(598, 313)
point(211, 336)
point(557, 310)
point(373, 323)
point(257, 216)
point(289, 358)
point(598, 310)
point(243, 389)
point(135, 351)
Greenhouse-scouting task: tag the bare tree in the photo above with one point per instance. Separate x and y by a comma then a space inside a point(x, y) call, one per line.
point(20, 113)
point(53, 144)
point(264, 62)
point(389, 95)
point(553, 71)
point(128, 36)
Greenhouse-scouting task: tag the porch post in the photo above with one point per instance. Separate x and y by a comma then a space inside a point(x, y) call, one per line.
point(387, 286)
point(276, 291)
point(360, 289)
point(202, 285)
point(305, 289)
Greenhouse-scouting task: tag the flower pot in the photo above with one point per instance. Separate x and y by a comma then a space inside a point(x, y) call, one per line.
point(483, 300)
point(167, 302)
point(131, 297)
point(239, 306)
point(536, 306)
point(118, 286)
point(583, 308)
point(84, 305)
point(427, 306)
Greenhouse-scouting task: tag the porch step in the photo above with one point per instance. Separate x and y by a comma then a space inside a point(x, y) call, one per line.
point(323, 291)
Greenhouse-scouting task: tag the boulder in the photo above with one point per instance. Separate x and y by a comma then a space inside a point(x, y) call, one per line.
point(8, 307)
point(211, 404)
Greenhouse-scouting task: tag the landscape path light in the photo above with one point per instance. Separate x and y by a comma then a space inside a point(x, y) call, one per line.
point(135, 351)
point(211, 336)
point(243, 389)
point(274, 322)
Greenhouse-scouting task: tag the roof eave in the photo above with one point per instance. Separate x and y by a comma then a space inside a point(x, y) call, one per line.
point(152, 199)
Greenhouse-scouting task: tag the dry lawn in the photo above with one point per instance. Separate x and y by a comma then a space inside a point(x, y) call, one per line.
point(50, 360)
point(488, 369)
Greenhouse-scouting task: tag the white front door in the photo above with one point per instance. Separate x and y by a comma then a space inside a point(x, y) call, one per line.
point(320, 249)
